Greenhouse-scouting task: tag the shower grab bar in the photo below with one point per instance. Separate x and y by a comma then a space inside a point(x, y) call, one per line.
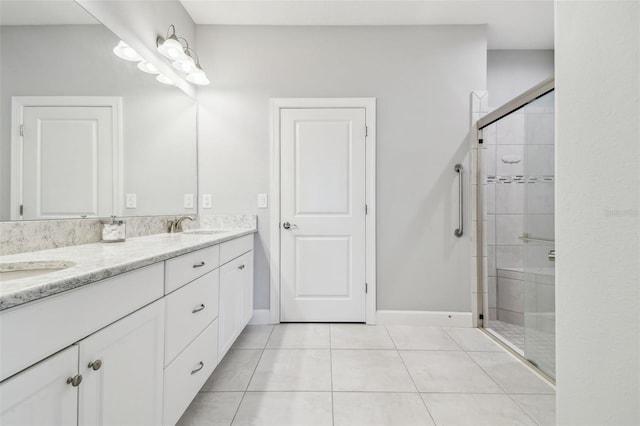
point(526, 238)
point(458, 232)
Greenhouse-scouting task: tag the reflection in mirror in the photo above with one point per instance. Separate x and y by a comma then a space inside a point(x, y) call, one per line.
point(85, 133)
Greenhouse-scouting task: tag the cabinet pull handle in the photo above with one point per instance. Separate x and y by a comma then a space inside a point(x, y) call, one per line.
point(200, 367)
point(198, 265)
point(198, 309)
point(75, 380)
point(95, 365)
point(241, 266)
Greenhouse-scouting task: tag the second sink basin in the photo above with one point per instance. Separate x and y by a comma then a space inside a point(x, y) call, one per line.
point(16, 270)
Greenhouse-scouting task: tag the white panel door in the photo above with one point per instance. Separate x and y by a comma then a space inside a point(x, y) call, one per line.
point(126, 388)
point(40, 395)
point(67, 157)
point(322, 215)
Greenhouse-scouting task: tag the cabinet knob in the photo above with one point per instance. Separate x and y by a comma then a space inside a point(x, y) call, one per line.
point(241, 267)
point(198, 265)
point(200, 367)
point(75, 380)
point(95, 365)
point(198, 309)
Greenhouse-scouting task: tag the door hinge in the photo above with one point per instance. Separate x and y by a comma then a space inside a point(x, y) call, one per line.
point(366, 288)
point(366, 209)
point(22, 130)
point(481, 316)
point(366, 131)
point(21, 209)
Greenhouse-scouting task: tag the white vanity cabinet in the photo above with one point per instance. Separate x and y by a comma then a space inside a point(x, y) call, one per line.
point(40, 395)
point(122, 370)
point(236, 291)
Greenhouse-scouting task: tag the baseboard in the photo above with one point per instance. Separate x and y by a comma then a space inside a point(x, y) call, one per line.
point(261, 317)
point(425, 318)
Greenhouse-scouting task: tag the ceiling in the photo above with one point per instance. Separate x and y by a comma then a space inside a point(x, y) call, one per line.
point(43, 12)
point(511, 24)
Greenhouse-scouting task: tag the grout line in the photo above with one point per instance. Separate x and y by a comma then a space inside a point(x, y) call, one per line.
point(411, 377)
point(333, 416)
point(251, 378)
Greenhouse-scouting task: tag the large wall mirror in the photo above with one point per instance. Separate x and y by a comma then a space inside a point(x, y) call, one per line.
point(85, 133)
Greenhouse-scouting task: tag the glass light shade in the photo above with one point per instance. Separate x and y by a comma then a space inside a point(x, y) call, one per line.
point(185, 65)
point(148, 67)
point(164, 80)
point(172, 49)
point(124, 51)
point(198, 77)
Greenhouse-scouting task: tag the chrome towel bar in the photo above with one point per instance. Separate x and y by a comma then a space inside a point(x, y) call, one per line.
point(458, 232)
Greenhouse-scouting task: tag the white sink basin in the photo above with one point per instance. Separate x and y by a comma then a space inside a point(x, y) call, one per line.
point(16, 270)
point(205, 231)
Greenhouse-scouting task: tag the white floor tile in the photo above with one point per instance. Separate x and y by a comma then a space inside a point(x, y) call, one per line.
point(211, 409)
point(379, 409)
point(285, 409)
point(435, 371)
point(369, 370)
point(422, 338)
point(510, 373)
point(234, 372)
point(542, 408)
point(299, 336)
point(293, 370)
point(359, 336)
point(472, 339)
point(253, 337)
point(475, 410)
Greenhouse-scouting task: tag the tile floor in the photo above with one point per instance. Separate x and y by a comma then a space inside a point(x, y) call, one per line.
point(352, 374)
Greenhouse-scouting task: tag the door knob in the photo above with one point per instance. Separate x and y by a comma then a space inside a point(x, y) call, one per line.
point(552, 256)
point(288, 225)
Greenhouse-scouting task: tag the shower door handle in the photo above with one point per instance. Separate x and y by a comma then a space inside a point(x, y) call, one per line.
point(458, 232)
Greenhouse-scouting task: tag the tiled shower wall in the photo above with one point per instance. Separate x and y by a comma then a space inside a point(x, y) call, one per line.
point(517, 178)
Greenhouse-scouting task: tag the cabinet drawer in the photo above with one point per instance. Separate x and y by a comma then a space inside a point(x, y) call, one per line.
point(184, 377)
point(231, 249)
point(189, 310)
point(186, 268)
point(35, 330)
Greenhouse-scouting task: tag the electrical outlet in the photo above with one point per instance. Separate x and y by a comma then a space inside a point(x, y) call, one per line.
point(132, 201)
point(188, 201)
point(262, 201)
point(206, 201)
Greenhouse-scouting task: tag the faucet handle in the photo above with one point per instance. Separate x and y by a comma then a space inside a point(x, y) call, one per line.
point(170, 225)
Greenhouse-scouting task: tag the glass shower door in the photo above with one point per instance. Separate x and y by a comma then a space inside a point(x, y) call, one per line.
point(538, 235)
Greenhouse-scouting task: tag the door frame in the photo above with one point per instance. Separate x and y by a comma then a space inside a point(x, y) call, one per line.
point(369, 105)
point(18, 103)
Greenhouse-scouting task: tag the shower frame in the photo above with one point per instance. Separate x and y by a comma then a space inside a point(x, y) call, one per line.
point(480, 290)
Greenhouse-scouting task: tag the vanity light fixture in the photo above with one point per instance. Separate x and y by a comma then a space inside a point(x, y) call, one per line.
point(148, 67)
point(164, 80)
point(182, 56)
point(124, 51)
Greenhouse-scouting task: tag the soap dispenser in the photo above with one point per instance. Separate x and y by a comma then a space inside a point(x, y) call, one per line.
point(113, 230)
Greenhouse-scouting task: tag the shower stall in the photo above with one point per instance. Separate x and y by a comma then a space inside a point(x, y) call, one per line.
point(516, 203)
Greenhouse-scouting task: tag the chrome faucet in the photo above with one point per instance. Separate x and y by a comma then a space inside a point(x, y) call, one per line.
point(176, 225)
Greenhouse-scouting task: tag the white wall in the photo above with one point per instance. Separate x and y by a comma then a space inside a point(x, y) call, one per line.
point(422, 78)
point(159, 122)
point(598, 212)
point(511, 72)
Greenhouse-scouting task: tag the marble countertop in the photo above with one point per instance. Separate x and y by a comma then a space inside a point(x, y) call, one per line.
point(97, 261)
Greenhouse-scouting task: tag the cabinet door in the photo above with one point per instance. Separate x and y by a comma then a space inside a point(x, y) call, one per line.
point(246, 296)
point(229, 312)
point(40, 395)
point(127, 387)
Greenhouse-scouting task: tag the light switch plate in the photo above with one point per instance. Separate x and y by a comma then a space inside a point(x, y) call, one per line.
point(188, 201)
point(132, 201)
point(262, 201)
point(206, 201)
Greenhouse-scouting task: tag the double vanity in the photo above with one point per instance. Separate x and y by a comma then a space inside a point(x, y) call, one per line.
point(123, 333)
